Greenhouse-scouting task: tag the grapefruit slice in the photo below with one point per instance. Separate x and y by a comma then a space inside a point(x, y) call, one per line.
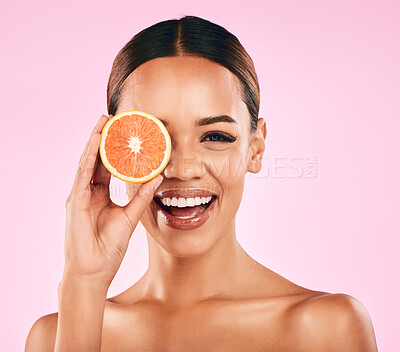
point(135, 146)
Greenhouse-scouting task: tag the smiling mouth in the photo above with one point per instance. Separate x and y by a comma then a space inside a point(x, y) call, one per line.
point(184, 208)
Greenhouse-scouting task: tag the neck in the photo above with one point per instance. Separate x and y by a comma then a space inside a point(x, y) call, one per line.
point(182, 281)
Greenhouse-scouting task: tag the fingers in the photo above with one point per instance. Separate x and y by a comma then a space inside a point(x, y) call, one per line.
point(135, 208)
point(87, 162)
point(101, 175)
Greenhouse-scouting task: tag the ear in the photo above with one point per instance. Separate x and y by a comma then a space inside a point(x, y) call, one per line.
point(257, 147)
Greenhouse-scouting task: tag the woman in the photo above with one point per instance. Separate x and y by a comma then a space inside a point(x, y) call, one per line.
point(202, 291)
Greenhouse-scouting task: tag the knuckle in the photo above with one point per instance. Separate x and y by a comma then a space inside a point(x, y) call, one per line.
point(84, 171)
point(68, 201)
point(76, 198)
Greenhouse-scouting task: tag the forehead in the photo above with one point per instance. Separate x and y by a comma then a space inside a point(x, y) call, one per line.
point(183, 86)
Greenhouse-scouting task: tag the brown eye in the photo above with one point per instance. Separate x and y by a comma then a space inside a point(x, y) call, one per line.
point(218, 136)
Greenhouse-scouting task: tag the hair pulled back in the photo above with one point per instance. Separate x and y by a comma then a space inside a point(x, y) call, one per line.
point(187, 36)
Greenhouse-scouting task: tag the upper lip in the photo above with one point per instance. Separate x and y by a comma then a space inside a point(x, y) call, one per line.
point(184, 193)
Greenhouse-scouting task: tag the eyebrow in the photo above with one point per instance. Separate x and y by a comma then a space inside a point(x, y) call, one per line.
point(214, 119)
point(209, 120)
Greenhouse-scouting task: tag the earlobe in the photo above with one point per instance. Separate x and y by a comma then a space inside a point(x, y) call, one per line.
point(257, 147)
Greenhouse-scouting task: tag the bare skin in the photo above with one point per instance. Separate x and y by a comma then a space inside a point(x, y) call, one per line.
point(202, 291)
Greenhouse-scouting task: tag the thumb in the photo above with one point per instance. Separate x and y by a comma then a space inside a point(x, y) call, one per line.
point(144, 195)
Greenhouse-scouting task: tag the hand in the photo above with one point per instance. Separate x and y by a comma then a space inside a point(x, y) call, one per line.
point(97, 230)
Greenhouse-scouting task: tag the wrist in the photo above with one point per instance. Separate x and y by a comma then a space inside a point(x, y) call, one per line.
point(77, 283)
point(81, 306)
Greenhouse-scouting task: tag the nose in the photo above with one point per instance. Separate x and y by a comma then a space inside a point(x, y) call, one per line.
point(184, 164)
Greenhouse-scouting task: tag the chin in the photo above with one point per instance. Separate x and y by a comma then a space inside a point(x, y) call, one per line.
point(188, 245)
point(181, 243)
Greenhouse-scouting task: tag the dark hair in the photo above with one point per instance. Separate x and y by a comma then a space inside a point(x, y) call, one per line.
point(191, 36)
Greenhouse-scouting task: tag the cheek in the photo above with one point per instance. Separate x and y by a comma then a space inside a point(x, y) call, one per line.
point(146, 219)
point(229, 171)
point(227, 166)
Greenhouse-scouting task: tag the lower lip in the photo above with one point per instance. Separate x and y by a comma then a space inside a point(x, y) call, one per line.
point(185, 224)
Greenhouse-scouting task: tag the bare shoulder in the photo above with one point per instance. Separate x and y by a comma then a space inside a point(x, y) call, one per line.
point(332, 322)
point(42, 335)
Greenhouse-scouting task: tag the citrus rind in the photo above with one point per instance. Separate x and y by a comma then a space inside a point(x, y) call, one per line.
point(112, 170)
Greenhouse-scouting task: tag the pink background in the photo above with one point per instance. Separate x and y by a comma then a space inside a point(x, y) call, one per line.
point(329, 76)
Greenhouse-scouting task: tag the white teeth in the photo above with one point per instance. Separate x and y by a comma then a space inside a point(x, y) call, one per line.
point(185, 202)
point(181, 202)
point(190, 202)
point(174, 202)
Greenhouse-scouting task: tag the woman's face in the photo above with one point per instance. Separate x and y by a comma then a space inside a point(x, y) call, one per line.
point(212, 149)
